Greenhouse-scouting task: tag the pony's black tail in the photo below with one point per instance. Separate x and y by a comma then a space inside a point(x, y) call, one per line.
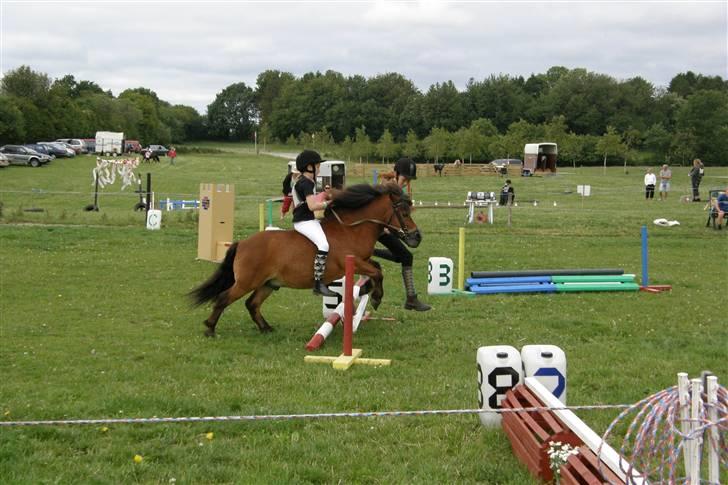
point(222, 279)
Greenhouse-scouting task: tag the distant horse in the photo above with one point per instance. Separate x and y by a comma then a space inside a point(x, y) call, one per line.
point(269, 260)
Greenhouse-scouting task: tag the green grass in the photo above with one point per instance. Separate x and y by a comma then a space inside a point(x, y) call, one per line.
point(94, 323)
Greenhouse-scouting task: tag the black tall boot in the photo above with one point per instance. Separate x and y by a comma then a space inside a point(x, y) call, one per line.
point(412, 303)
point(319, 268)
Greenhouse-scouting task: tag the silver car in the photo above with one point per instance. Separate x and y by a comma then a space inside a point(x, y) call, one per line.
point(20, 155)
point(4, 161)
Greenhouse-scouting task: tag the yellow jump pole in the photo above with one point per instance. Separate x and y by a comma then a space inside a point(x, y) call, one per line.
point(261, 217)
point(461, 259)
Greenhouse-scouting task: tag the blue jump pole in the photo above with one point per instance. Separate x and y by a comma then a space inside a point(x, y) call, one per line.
point(375, 175)
point(645, 278)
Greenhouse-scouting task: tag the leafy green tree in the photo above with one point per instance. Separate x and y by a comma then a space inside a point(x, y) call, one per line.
point(584, 98)
point(233, 114)
point(391, 92)
point(657, 140)
point(502, 99)
point(269, 86)
point(484, 127)
point(705, 114)
point(149, 126)
point(683, 147)
point(610, 144)
point(437, 143)
point(363, 147)
point(23, 82)
point(633, 105)
point(469, 142)
point(12, 123)
point(386, 146)
point(443, 106)
point(346, 148)
point(412, 146)
point(687, 83)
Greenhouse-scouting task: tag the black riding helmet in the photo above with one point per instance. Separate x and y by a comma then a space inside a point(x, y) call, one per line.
point(306, 158)
point(406, 167)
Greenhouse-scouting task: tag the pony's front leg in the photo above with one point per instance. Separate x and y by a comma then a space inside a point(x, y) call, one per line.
point(373, 270)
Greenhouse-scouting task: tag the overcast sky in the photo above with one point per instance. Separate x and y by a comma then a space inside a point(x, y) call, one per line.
point(187, 52)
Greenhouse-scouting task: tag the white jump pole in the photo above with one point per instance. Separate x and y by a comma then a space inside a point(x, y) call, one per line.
point(695, 404)
point(683, 385)
point(711, 384)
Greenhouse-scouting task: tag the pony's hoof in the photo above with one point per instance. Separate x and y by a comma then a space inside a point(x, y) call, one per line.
point(376, 303)
point(266, 330)
point(210, 333)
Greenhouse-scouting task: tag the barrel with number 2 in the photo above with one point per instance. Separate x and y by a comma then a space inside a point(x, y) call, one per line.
point(499, 370)
point(547, 363)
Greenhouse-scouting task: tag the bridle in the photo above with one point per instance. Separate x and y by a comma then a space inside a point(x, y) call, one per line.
point(402, 231)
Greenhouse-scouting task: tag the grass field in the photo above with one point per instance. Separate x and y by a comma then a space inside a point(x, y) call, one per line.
point(94, 323)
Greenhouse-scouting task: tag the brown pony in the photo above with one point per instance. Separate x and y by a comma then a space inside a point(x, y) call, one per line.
point(269, 260)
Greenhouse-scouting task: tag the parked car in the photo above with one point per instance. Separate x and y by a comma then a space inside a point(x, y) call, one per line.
point(77, 145)
point(20, 155)
point(4, 160)
point(60, 150)
point(132, 146)
point(45, 149)
point(90, 145)
point(158, 150)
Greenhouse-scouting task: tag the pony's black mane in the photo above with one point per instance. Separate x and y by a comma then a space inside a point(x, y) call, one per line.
point(357, 196)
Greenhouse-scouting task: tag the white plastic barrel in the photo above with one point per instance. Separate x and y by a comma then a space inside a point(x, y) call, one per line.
point(154, 219)
point(439, 276)
point(499, 370)
point(547, 363)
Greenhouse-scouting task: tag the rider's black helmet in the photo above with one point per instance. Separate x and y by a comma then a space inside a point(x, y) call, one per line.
point(406, 167)
point(306, 158)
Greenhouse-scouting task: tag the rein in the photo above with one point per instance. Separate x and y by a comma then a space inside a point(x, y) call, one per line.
point(401, 232)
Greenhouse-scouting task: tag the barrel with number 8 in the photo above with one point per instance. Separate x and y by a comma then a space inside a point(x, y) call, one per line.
point(499, 369)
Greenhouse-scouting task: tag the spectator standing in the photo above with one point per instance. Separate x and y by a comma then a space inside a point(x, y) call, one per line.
point(288, 182)
point(650, 182)
point(172, 154)
point(696, 175)
point(665, 177)
point(507, 194)
point(147, 155)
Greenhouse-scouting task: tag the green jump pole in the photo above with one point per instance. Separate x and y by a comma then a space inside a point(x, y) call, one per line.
point(269, 203)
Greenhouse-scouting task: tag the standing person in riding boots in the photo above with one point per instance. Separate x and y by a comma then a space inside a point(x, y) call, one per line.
point(405, 170)
point(305, 202)
point(288, 183)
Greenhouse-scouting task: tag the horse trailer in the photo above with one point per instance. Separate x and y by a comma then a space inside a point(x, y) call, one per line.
point(539, 157)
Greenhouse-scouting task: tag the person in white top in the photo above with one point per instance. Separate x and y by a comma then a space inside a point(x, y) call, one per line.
point(650, 182)
point(665, 177)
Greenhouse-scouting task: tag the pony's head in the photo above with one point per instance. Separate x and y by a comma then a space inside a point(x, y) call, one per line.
point(397, 216)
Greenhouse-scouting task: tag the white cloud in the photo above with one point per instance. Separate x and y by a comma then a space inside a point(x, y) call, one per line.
point(187, 52)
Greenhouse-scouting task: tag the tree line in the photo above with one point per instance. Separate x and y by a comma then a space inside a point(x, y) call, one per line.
point(593, 117)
